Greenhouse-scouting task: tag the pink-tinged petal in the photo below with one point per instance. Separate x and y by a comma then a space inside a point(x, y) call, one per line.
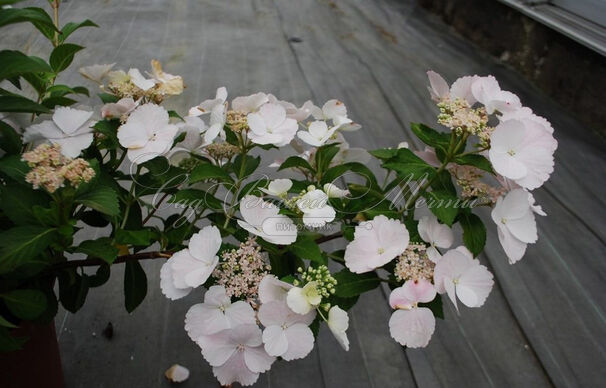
point(461, 88)
point(412, 328)
point(202, 319)
point(205, 244)
point(420, 291)
point(72, 146)
point(524, 228)
point(190, 272)
point(433, 232)
point(300, 342)
point(273, 289)
point(235, 370)
point(240, 313)
point(274, 313)
point(217, 348)
point(400, 299)
point(257, 359)
point(250, 103)
point(200, 275)
point(433, 254)
point(439, 87)
point(273, 115)
point(132, 135)
point(216, 296)
point(338, 323)
point(44, 130)
point(274, 340)
point(69, 120)
point(356, 257)
point(514, 248)
point(474, 286)
point(451, 291)
point(167, 285)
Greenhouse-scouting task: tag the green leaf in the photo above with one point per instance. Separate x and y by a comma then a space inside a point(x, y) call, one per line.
point(296, 162)
point(63, 55)
point(52, 102)
point(8, 343)
point(17, 202)
point(408, 165)
point(109, 129)
point(208, 171)
point(101, 248)
point(443, 205)
point(10, 141)
point(350, 284)
point(37, 16)
point(73, 289)
point(70, 27)
point(475, 160)
point(306, 248)
point(107, 98)
point(15, 63)
point(22, 244)
point(174, 114)
point(250, 165)
point(94, 218)
point(13, 167)
point(25, 304)
point(100, 277)
point(431, 137)
point(21, 105)
point(140, 237)
point(62, 90)
point(102, 199)
point(384, 153)
point(474, 232)
point(135, 285)
point(325, 154)
point(341, 170)
point(5, 323)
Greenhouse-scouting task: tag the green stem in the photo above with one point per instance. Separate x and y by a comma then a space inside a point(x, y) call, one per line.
point(129, 202)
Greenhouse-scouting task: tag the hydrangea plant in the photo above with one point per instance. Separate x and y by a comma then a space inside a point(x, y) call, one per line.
point(188, 190)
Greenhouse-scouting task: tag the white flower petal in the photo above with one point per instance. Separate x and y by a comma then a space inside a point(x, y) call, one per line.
point(167, 285)
point(412, 328)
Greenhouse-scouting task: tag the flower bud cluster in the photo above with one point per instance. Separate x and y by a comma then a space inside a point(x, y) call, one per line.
point(50, 169)
point(460, 117)
point(414, 264)
point(241, 270)
point(469, 178)
point(220, 151)
point(237, 121)
point(324, 281)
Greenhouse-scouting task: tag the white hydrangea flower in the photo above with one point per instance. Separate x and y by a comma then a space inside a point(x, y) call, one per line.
point(262, 219)
point(271, 126)
point(277, 187)
point(147, 133)
point(317, 133)
point(70, 128)
point(303, 300)
point(316, 210)
point(436, 235)
point(96, 72)
point(411, 325)
point(338, 323)
point(333, 191)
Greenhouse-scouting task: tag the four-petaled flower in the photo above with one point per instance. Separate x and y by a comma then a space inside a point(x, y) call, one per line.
point(271, 126)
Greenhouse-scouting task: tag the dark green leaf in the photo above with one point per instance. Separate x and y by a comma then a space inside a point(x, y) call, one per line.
point(341, 171)
point(21, 105)
point(25, 304)
point(140, 237)
point(34, 15)
point(10, 141)
point(350, 284)
point(443, 205)
point(101, 248)
point(209, 171)
point(431, 137)
point(306, 248)
point(13, 167)
point(73, 289)
point(474, 232)
point(8, 343)
point(68, 28)
point(174, 114)
point(63, 55)
point(23, 243)
point(102, 199)
point(135, 285)
point(250, 165)
point(325, 154)
point(17, 203)
point(15, 63)
point(408, 165)
point(196, 199)
point(52, 102)
point(384, 153)
point(296, 162)
point(94, 218)
point(100, 277)
point(475, 160)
